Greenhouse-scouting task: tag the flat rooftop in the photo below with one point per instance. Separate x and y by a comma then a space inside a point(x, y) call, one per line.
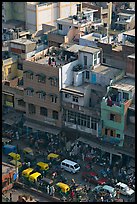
point(106, 70)
point(80, 90)
point(74, 48)
point(23, 41)
point(130, 32)
point(125, 84)
point(124, 14)
point(6, 168)
point(89, 49)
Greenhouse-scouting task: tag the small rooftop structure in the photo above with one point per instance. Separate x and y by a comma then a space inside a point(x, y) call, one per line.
point(125, 84)
point(74, 48)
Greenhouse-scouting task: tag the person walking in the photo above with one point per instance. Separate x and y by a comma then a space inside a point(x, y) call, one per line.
point(53, 191)
point(48, 189)
point(10, 197)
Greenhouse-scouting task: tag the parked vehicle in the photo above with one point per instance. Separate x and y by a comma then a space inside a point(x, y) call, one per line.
point(70, 166)
point(54, 158)
point(124, 189)
point(43, 166)
point(92, 177)
point(9, 148)
point(14, 156)
point(44, 182)
point(27, 172)
point(35, 177)
point(62, 187)
point(16, 163)
point(102, 190)
point(28, 154)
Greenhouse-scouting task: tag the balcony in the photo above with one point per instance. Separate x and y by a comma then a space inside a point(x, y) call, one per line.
point(115, 106)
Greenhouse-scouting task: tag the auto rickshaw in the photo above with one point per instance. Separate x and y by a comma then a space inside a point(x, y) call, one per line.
point(54, 158)
point(27, 172)
point(16, 163)
point(35, 177)
point(43, 166)
point(28, 154)
point(63, 188)
point(14, 156)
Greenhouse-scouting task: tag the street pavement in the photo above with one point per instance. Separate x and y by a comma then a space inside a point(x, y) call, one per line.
point(22, 143)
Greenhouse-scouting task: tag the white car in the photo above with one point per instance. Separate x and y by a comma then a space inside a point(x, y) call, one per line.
point(124, 189)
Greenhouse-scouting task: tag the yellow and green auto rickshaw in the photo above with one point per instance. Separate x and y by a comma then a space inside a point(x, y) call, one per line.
point(27, 172)
point(43, 166)
point(35, 177)
point(63, 188)
point(14, 156)
point(54, 158)
point(28, 154)
point(16, 163)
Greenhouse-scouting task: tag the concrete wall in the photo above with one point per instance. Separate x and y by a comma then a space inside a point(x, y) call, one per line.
point(89, 58)
point(70, 100)
point(67, 73)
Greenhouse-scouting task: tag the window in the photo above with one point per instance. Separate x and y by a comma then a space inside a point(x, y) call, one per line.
point(105, 15)
point(78, 7)
point(87, 74)
point(112, 117)
point(43, 111)
point(125, 96)
point(42, 95)
point(53, 81)
point(75, 99)
point(20, 66)
point(41, 79)
point(55, 115)
point(9, 70)
point(106, 131)
point(104, 60)
point(112, 133)
point(66, 95)
point(21, 103)
point(30, 91)
point(60, 26)
point(85, 60)
point(53, 99)
point(29, 75)
point(95, 58)
point(118, 135)
point(31, 108)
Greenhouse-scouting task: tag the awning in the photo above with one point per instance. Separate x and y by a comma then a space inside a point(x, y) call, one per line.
point(29, 88)
point(9, 122)
point(72, 92)
point(43, 128)
point(28, 71)
point(42, 92)
point(107, 148)
point(10, 94)
point(41, 75)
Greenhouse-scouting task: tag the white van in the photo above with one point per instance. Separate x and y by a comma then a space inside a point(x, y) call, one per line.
point(70, 166)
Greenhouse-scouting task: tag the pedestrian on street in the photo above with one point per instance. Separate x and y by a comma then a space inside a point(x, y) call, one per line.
point(48, 189)
point(83, 157)
point(10, 197)
point(53, 191)
point(72, 195)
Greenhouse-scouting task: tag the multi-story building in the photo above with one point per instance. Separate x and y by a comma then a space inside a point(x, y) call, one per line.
point(71, 28)
point(42, 84)
point(34, 14)
point(104, 11)
point(125, 20)
point(114, 107)
point(82, 90)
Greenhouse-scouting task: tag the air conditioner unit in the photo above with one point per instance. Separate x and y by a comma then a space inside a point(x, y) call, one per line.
point(72, 106)
point(79, 107)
